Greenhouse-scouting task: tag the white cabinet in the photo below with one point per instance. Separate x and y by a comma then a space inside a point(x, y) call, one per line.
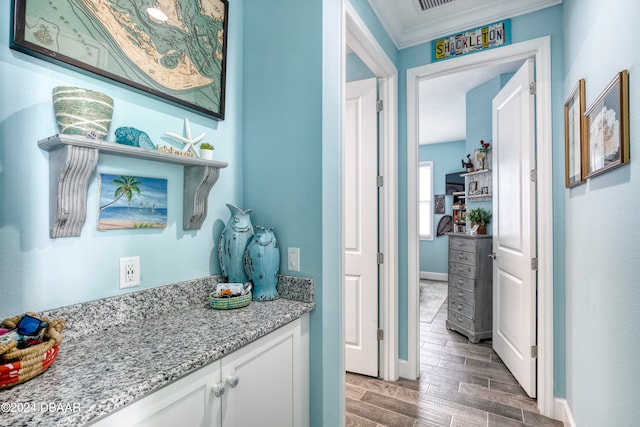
point(265, 383)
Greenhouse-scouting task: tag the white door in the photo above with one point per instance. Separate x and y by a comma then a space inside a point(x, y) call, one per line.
point(360, 225)
point(514, 237)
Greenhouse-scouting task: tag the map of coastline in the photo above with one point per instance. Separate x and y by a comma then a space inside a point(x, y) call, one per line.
point(181, 56)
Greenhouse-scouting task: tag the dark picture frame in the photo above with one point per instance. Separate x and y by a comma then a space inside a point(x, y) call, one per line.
point(574, 135)
point(177, 55)
point(607, 145)
point(439, 202)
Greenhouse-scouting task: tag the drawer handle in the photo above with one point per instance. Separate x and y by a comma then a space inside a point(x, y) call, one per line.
point(218, 390)
point(459, 319)
point(233, 380)
point(459, 306)
point(459, 293)
point(460, 281)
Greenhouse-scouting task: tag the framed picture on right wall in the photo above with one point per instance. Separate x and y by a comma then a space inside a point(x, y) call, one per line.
point(607, 142)
point(574, 135)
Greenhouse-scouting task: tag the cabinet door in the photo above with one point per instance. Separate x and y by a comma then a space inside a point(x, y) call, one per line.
point(268, 392)
point(186, 402)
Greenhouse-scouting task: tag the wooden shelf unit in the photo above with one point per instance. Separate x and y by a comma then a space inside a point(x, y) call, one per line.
point(73, 160)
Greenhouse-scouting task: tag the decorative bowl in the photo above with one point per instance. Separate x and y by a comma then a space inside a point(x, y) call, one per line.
point(82, 112)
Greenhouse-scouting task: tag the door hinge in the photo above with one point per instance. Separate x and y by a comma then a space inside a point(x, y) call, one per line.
point(534, 175)
point(380, 258)
point(534, 351)
point(534, 264)
point(380, 335)
point(532, 88)
point(379, 181)
point(379, 105)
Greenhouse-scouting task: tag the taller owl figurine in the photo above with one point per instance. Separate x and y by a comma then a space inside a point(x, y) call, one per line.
point(233, 241)
point(261, 263)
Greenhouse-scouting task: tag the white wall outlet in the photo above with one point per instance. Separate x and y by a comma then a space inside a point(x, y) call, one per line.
point(293, 259)
point(129, 272)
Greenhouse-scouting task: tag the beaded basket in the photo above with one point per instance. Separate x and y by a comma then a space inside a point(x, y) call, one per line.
point(20, 365)
point(229, 303)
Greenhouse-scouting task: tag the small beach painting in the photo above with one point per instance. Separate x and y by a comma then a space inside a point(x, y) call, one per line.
point(132, 202)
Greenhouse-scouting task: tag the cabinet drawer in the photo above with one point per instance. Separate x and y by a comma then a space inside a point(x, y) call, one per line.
point(460, 320)
point(462, 294)
point(461, 282)
point(465, 270)
point(462, 243)
point(462, 256)
point(460, 307)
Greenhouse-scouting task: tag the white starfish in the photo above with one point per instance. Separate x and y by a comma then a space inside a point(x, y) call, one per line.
point(189, 142)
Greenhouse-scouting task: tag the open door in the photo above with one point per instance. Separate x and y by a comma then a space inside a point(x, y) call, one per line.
point(514, 231)
point(360, 224)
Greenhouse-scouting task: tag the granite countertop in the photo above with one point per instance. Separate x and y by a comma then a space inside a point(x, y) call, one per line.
point(119, 349)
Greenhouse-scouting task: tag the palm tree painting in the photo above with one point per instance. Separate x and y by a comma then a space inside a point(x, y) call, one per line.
point(132, 202)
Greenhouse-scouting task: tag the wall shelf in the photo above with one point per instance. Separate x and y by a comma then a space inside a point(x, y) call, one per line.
point(482, 179)
point(480, 172)
point(479, 197)
point(73, 160)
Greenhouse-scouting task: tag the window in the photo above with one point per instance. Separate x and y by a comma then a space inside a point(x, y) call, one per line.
point(425, 200)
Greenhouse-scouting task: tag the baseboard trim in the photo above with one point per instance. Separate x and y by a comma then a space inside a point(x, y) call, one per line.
point(403, 369)
point(563, 413)
point(429, 275)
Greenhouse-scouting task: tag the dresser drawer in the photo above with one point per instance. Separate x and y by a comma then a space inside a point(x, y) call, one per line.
point(465, 270)
point(460, 307)
point(462, 256)
point(461, 282)
point(460, 320)
point(462, 294)
point(462, 243)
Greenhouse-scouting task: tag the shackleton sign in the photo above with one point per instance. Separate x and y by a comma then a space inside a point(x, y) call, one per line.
point(471, 41)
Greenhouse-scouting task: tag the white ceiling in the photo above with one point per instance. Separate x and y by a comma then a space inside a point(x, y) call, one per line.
point(442, 105)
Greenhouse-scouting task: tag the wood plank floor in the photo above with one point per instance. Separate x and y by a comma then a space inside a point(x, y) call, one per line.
point(461, 384)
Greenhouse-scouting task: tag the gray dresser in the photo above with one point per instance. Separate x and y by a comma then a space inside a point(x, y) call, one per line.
point(470, 285)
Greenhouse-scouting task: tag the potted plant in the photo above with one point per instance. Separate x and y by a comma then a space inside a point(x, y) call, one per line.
point(206, 151)
point(481, 217)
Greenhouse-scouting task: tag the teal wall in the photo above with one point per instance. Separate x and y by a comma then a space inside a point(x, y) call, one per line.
point(283, 152)
point(602, 235)
point(446, 158)
point(533, 25)
point(37, 272)
point(356, 69)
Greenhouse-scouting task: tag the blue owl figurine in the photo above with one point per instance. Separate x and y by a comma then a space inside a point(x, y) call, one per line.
point(233, 241)
point(261, 263)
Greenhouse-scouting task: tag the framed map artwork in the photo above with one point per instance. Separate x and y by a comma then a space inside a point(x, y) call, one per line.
point(171, 49)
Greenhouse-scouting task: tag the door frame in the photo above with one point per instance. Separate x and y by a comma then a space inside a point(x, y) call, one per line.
point(540, 50)
point(364, 44)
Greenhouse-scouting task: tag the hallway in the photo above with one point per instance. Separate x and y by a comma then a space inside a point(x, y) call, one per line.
point(461, 384)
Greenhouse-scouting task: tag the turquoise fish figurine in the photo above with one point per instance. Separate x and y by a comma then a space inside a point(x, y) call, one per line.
point(233, 241)
point(134, 137)
point(261, 263)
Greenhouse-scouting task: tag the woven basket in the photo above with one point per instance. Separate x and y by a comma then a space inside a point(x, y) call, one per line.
point(229, 303)
point(20, 365)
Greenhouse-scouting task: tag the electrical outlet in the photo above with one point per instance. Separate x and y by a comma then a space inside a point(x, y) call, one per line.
point(129, 272)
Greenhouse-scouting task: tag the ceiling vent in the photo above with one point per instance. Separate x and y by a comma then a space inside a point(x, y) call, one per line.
point(424, 5)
